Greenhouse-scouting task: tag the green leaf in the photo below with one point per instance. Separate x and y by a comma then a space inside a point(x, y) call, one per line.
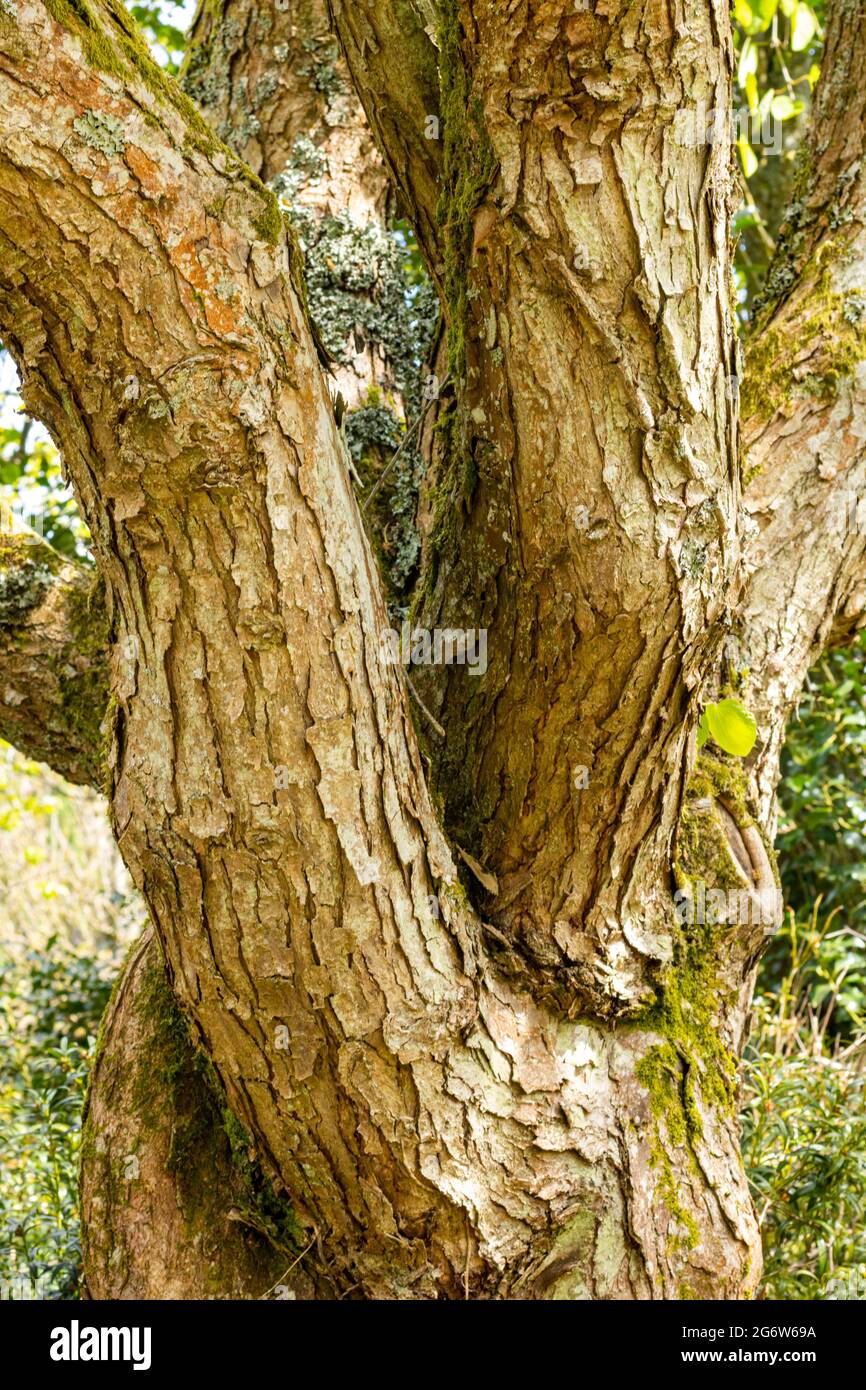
point(748, 158)
point(743, 13)
point(763, 11)
point(748, 63)
point(730, 726)
point(783, 108)
point(803, 27)
point(752, 92)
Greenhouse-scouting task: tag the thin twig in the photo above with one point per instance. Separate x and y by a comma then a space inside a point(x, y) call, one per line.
point(285, 1276)
point(403, 442)
point(433, 720)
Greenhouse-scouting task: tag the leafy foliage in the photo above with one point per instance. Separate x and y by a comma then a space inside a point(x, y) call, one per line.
point(778, 47)
point(822, 831)
point(57, 961)
point(160, 23)
point(32, 491)
point(50, 1007)
point(804, 1125)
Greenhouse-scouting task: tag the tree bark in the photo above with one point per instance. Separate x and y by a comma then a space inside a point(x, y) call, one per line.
point(53, 667)
point(804, 408)
point(171, 1207)
point(534, 1098)
point(226, 60)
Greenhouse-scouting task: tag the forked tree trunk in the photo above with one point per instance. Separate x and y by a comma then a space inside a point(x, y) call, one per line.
point(520, 1093)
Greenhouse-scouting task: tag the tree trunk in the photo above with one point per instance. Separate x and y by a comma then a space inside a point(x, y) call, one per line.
point(171, 1205)
point(521, 1083)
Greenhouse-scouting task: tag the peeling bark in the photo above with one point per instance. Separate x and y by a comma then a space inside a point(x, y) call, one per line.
point(266, 784)
point(589, 494)
point(536, 1101)
point(235, 50)
point(264, 76)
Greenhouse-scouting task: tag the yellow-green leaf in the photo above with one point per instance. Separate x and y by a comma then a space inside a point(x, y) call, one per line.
point(748, 159)
point(748, 62)
point(729, 725)
point(763, 11)
point(803, 27)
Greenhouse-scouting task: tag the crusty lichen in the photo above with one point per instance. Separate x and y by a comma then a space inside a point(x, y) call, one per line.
point(124, 54)
point(23, 584)
point(102, 132)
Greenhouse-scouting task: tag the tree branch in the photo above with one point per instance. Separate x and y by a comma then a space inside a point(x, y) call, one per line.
point(804, 406)
point(392, 58)
point(587, 498)
point(266, 778)
point(265, 76)
point(53, 659)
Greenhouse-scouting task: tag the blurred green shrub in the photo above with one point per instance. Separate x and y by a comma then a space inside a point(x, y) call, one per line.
point(50, 1006)
point(822, 795)
point(804, 1075)
point(67, 912)
point(804, 1125)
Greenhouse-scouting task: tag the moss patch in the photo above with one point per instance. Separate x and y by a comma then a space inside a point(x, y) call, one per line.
point(829, 325)
point(123, 54)
point(179, 1080)
point(691, 1068)
point(269, 223)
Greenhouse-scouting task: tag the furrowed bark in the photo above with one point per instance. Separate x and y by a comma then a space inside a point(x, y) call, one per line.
point(53, 658)
point(274, 800)
point(263, 77)
point(804, 412)
point(589, 496)
point(284, 64)
point(442, 1128)
point(272, 82)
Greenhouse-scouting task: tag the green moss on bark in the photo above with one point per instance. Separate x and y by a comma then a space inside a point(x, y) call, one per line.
point(691, 1071)
point(123, 54)
point(830, 325)
point(179, 1081)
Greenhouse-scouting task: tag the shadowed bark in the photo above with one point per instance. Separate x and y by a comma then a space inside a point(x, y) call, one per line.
point(170, 1209)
